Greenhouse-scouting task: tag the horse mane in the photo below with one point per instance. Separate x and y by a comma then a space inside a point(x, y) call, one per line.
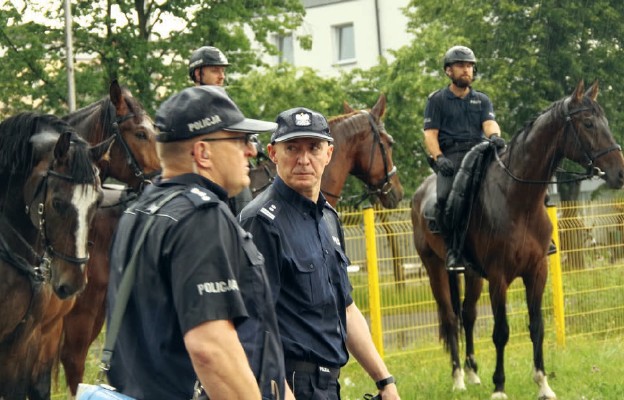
point(348, 123)
point(557, 110)
point(18, 154)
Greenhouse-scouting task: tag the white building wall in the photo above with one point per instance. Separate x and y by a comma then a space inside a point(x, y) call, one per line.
point(322, 16)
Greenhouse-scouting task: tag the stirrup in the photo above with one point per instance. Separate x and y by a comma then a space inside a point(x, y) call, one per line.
point(454, 262)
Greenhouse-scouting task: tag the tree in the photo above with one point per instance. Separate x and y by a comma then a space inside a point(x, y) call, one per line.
point(144, 43)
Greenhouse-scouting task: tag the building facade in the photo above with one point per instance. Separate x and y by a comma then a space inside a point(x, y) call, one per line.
point(345, 34)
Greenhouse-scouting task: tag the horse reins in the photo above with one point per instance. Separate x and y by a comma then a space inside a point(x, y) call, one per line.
point(591, 170)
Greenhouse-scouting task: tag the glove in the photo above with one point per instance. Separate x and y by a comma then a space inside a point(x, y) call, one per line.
point(497, 141)
point(445, 166)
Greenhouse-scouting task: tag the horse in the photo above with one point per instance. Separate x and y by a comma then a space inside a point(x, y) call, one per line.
point(509, 232)
point(362, 148)
point(133, 161)
point(50, 190)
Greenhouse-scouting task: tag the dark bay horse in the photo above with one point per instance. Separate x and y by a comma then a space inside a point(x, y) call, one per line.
point(133, 160)
point(362, 148)
point(509, 231)
point(50, 189)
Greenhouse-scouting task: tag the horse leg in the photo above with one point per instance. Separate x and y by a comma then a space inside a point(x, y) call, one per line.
point(474, 286)
point(534, 286)
point(500, 335)
point(449, 324)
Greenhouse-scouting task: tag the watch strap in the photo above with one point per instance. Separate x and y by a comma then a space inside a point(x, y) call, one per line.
point(382, 383)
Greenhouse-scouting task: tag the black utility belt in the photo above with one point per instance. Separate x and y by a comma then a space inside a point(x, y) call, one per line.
point(311, 368)
point(456, 146)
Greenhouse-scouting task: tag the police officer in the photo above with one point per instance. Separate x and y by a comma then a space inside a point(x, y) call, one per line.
point(300, 236)
point(207, 66)
point(200, 307)
point(456, 118)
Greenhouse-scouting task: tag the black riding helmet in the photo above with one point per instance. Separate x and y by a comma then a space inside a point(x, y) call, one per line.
point(459, 54)
point(206, 55)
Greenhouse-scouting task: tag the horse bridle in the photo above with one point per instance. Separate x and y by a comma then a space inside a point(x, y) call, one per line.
point(384, 186)
point(590, 169)
point(130, 158)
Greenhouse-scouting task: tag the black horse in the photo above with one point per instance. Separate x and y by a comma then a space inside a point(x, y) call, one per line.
point(509, 231)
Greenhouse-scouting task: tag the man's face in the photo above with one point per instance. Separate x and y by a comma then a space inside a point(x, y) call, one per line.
point(301, 162)
point(210, 75)
point(229, 154)
point(461, 73)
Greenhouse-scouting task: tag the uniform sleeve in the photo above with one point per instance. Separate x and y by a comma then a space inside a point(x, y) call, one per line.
point(487, 109)
point(432, 113)
point(205, 263)
point(267, 240)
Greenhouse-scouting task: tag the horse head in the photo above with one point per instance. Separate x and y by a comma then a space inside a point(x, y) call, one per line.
point(588, 139)
point(360, 136)
point(133, 158)
point(61, 196)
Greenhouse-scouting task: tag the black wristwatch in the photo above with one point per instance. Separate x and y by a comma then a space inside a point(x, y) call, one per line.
point(385, 382)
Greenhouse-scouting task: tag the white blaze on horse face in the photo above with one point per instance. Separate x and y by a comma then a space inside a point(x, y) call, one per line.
point(84, 197)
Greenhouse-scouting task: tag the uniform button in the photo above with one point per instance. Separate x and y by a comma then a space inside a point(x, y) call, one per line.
point(311, 266)
point(326, 252)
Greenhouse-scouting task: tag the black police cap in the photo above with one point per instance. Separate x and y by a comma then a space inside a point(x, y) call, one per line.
point(300, 122)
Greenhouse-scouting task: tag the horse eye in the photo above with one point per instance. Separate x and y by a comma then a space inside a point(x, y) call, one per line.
point(60, 205)
point(140, 135)
point(588, 123)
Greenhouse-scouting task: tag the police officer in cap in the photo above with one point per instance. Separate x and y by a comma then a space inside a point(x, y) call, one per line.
point(200, 307)
point(207, 66)
point(456, 118)
point(300, 236)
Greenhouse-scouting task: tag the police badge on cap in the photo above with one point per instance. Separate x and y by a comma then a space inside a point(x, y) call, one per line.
point(301, 122)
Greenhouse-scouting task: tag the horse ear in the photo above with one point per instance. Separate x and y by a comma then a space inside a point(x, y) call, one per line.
point(116, 96)
point(380, 107)
point(101, 150)
point(347, 108)
point(62, 145)
point(578, 94)
point(592, 92)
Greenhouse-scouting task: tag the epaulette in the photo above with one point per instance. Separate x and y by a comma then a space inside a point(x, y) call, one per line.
point(432, 93)
point(269, 210)
point(201, 197)
point(329, 206)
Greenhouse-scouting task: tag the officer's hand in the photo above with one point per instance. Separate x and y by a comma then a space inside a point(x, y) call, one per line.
point(445, 166)
point(497, 141)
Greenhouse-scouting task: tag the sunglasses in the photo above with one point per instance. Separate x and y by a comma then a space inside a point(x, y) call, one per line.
point(244, 140)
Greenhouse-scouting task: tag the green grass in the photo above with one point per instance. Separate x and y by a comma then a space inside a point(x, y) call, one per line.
point(587, 369)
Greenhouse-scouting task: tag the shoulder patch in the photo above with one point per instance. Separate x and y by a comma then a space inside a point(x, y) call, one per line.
point(269, 210)
point(201, 197)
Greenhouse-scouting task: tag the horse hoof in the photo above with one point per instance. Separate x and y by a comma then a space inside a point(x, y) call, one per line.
point(458, 380)
point(472, 377)
point(499, 396)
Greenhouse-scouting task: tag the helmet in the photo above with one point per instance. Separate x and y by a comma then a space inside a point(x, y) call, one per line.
point(458, 54)
point(206, 55)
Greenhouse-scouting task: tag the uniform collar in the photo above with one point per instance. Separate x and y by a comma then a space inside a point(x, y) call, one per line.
point(193, 179)
point(298, 201)
point(451, 95)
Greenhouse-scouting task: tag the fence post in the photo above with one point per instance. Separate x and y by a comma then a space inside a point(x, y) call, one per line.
point(373, 278)
point(556, 279)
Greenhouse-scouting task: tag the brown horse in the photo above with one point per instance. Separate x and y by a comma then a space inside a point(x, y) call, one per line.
point(362, 148)
point(49, 171)
point(509, 232)
point(133, 160)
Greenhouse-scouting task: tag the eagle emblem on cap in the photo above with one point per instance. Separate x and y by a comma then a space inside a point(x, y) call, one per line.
point(302, 119)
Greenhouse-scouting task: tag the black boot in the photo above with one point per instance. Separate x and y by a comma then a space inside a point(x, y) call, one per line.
point(454, 261)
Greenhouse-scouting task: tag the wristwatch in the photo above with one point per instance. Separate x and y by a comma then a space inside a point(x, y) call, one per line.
point(385, 382)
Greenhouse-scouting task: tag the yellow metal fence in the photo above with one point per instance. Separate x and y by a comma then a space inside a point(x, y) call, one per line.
point(392, 289)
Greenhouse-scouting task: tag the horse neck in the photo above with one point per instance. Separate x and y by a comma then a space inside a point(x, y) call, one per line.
point(341, 165)
point(535, 154)
point(93, 122)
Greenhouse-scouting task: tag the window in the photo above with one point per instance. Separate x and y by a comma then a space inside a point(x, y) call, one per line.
point(345, 43)
point(285, 47)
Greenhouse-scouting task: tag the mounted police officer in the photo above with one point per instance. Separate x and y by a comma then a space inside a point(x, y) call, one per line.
point(456, 118)
point(200, 306)
point(207, 66)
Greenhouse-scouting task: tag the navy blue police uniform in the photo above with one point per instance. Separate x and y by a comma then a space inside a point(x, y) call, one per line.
point(307, 269)
point(460, 126)
point(196, 265)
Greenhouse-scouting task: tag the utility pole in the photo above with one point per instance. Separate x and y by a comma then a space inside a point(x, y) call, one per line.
point(69, 55)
